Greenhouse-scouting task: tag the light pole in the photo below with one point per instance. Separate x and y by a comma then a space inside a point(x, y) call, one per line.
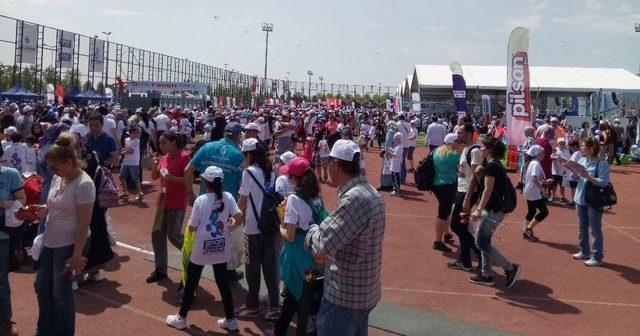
point(266, 27)
point(321, 85)
point(310, 74)
point(106, 71)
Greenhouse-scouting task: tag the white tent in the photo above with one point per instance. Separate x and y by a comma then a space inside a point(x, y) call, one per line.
point(543, 79)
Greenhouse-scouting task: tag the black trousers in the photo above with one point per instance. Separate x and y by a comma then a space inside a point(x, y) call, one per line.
point(193, 279)
point(290, 306)
point(467, 242)
point(538, 206)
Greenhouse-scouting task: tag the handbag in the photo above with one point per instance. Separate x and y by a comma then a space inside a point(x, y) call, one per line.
point(597, 196)
point(312, 292)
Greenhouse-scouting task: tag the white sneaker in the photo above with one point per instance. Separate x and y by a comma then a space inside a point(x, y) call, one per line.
point(95, 277)
point(593, 263)
point(177, 321)
point(74, 286)
point(228, 324)
point(580, 256)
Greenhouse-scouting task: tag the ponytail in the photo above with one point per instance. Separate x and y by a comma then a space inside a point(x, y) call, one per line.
point(216, 188)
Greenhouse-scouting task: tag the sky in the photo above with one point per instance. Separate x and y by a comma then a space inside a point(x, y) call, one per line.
point(353, 42)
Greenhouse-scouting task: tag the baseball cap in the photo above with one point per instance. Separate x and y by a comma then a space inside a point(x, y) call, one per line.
point(615, 121)
point(81, 129)
point(344, 150)
point(554, 119)
point(233, 128)
point(252, 127)
point(286, 157)
point(10, 130)
point(211, 173)
point(296, 167)
point(561, 140)
point(249, 145)
point(451, 138)
point(29, 108)
point(535, 150)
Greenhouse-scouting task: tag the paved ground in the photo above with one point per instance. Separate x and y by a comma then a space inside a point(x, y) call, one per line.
point(556, 295)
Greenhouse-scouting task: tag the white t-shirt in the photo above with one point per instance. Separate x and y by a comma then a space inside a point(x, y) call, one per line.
point(163, 122)
point(309, 122)
point(404, 128)
point(556, 167)
point(119, 130)
point(298, 212)
point(575, 157)
point(435, 134)
point(32, 160)
point(15, 156)
point(323, 148)
point(283, 187)
point(531, 191)
point(5, 144)
point(364, 130)
point(185, 126)
point(464, 169)
point(413, 133)
point(211, 244)
point(109, 126)
point(396, 161)
point(63, 201)
point(249, 187)
point(132, 159)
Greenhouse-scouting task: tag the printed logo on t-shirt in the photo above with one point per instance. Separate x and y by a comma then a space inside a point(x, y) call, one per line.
point(215, 228)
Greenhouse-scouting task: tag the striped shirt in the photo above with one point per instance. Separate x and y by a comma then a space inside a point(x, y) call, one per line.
point(351, 239)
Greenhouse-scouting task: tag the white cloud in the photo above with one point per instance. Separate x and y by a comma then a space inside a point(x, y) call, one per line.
point(113, 12)
point(528, 21)
point(536, 5)
point(435, 28)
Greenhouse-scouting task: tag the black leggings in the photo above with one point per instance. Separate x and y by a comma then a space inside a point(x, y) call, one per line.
point(290, 306)
point(538, 205)
point(193, 278)
point(444, 194)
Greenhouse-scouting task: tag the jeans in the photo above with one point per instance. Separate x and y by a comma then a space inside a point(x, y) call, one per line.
point(489, 221)
point(590, 218)
point(260, 252)
point(194, 272)
point(337, 320)
point(5, 290)
point(462, 231)
point(171, 228)
point(396, 181)
point(57, 313)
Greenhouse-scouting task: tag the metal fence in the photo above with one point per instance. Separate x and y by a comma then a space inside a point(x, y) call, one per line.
point(127, 63)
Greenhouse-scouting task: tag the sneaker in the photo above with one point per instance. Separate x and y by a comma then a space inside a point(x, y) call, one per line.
point(124, 195)
point(438, 245)
point(74, 286)
point(581, 256)
point(593, 263)
point(139, 196)
point(272, 314)
point(448, 238)
point(394, 193)
point(177, 321)
point(528, 234)
point(551, 199)
point(459, 265)
point(482, 280)
point(96, 277)
point(245, 311)
point(512, 275)
point(156, 276)
point(231, 325)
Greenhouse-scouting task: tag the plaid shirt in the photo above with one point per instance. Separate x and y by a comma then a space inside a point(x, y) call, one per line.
point(351, 240)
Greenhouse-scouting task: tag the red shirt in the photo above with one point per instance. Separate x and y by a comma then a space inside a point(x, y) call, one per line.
point(175, 195)
point(331, 126)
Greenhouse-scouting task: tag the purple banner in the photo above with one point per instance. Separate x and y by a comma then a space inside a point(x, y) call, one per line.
point(460, 94)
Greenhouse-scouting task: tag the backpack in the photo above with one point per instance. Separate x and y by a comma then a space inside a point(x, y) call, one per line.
point(106, 189)
point(268, 220)
point(509, 197)
point(468, 156)
point(425, 173)
point(319, 212)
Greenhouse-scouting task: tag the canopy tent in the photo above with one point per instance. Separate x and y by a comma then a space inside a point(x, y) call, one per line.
point(543, 79)
point(72, 93)
point(19, 92)
point(90, 94)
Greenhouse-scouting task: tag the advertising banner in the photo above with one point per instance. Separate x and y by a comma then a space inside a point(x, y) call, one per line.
point(29, 43)
point(166, 87)
point(518, 106)
point(254, 81)
point(459, 89)
point(96, 54)
point(415, 102)
point(66, 49)
point(486, 105)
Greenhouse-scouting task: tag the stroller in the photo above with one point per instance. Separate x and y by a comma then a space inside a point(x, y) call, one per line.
point(27, 232)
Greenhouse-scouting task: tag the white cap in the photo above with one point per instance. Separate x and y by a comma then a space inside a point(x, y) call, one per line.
point(616, 120)
point(451, 138)
point(260, 120)
point(10, 130)
point(249, 145)
point(211, 173)
point(81, 129)
point(561, 140)
point(400, 114)
point(398, 135)
point(173, 129)
point(535, 150)
point(554, 119)
point(29, 108)
point(252, 127)
point(344, 150)
point(286, 157)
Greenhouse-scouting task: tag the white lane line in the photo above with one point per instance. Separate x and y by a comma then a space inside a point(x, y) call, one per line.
point(516, 297)
point(134, 248)
point(617, 228)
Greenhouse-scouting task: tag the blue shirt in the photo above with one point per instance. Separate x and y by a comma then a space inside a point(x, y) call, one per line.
point(10, 182)
point(445, 165)
point(103, 144)
point(227, 156)
point(603, 177)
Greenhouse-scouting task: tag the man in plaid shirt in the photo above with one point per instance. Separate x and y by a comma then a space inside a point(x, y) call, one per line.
point(350, 243)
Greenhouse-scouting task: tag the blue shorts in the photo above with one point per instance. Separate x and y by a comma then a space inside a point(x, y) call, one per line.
point(130, 173)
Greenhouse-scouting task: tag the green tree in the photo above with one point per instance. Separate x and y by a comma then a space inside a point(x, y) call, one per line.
point(5, 77)
point(100, 88)
point(69, 80)
point(26, 77)
point(86, 86)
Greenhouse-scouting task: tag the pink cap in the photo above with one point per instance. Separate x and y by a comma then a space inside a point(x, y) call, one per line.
point(297, 167)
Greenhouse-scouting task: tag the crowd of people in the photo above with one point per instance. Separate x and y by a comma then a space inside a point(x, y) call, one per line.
point(259, 204)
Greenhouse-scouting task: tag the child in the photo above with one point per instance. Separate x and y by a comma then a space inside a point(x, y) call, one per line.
point(309, 145)
point(210, 223)
point(323, 152)
point(560, 156)
point(534, 182)
point(396, 162)
point(31, 155)
point(15, 154)
point(574, 147)
point(131, 163)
